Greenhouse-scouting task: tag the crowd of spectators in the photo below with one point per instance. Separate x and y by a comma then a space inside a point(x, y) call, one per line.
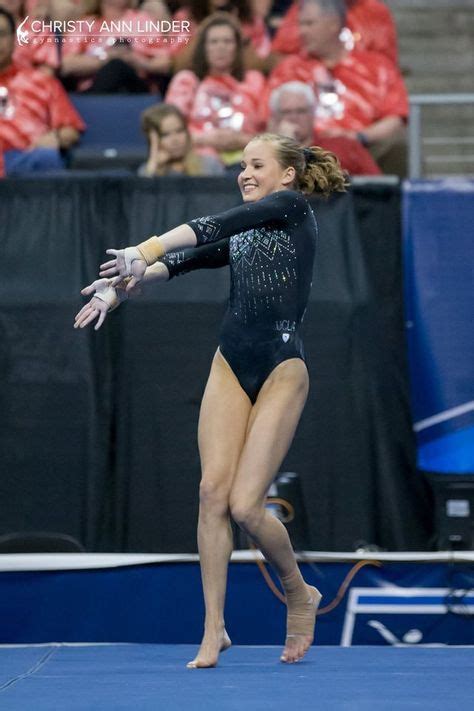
point(323, 71)
point(37, 119)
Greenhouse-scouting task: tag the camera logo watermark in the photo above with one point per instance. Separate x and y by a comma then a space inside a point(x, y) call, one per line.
point(21, 34)
point(138, 29)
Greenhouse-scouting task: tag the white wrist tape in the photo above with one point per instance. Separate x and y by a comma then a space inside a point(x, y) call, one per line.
point(130, 254)
point(113, 297)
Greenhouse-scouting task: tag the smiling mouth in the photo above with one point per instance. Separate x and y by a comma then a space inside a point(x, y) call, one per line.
point(249, 187)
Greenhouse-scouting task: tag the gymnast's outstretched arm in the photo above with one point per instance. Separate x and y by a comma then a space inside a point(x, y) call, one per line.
point(283, 207)
point(106, 298)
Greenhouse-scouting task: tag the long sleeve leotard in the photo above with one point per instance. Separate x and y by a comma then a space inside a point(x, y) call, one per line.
point(270, 246)
point(208, 256)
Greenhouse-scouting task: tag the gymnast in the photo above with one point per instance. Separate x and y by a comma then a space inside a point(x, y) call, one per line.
point(258, 382)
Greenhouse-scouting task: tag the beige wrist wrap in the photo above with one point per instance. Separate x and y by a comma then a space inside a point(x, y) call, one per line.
point(113, 296)
point(151, 250)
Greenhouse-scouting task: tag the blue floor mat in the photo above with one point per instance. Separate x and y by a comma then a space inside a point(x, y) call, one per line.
point(154, 678)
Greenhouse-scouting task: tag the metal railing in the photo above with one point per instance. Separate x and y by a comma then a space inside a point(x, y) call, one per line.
point(417, 102)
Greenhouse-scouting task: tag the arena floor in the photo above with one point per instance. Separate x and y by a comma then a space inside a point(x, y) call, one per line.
point(154, 677)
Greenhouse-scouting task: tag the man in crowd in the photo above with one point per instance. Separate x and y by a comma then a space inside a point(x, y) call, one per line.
point(292, 110)
point(37, 120)
point(360, 94)
point(370, 25)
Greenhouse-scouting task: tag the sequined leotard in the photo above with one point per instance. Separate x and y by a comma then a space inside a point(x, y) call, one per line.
point(270, 247)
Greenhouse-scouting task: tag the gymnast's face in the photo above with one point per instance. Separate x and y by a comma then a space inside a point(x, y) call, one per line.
point(261, 173)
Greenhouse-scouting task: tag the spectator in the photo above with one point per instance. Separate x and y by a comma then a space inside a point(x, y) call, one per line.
point(360, 94)
point(220, 100)
point(117, 64)
point(170, 145)
point(292, 108)
point(369, 25)
point(37, 120)
point(255, 36)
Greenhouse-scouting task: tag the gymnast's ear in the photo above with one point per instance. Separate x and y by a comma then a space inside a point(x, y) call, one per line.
point(289, 175)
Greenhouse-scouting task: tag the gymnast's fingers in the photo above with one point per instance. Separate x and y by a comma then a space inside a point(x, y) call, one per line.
point(82, 311)
point(131, 284)
point(117, 280)
point(97, 285)
point(94, 313)
point(101, 320)
point(110, 272)
point(82, 315)
point(107, 265)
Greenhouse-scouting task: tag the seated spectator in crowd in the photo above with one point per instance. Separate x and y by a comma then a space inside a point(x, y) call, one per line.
point(255, 36)
point(218, 97)
point(292, 109)
point(37, 120)
point(369, 25)
point(360, 94)
point(170, 145)
point(116, 64)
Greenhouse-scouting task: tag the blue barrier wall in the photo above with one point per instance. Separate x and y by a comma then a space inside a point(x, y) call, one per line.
point(423, 601)
point(438, 221)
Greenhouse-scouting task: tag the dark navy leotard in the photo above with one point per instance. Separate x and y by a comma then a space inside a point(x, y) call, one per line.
point(270, 246)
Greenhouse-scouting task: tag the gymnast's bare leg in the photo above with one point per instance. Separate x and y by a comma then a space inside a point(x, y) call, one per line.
point(271, 428)
point(223, 423)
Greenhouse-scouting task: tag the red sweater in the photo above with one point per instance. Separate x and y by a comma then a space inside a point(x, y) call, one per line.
point(38, 104)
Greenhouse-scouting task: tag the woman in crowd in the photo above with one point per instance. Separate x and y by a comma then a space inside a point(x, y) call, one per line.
point(221, 100)
point(170, 145)
point(255, 35)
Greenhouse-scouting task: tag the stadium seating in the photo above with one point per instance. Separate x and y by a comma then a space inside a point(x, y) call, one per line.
point(113, 138)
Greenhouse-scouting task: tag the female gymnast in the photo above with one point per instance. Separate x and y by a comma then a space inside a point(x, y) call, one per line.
point(258, 381)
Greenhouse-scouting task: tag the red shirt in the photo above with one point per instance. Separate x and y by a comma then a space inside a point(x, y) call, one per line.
point(361, 89)
point(370, 22)
point(37, 103)
point(352, 155)
point(218, 101)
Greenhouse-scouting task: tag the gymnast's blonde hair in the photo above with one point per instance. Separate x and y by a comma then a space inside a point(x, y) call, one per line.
point(317, 170)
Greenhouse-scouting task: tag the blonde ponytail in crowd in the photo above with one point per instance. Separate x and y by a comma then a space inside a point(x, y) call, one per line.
point(317, 171)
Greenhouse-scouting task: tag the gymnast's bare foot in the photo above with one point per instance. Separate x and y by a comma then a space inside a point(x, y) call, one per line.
point(301, 618)
point(213, 643)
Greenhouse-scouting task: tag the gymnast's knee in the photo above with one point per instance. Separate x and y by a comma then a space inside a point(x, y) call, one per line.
point(247, 516)
point(214, 493)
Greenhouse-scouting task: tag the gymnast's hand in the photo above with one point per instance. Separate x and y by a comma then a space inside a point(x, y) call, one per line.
point(127, 262)
point(98, 307)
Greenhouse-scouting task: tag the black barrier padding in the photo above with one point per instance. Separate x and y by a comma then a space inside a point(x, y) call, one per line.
point(98, 430)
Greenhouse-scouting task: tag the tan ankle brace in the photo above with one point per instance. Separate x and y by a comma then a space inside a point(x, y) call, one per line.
point(151, 250)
